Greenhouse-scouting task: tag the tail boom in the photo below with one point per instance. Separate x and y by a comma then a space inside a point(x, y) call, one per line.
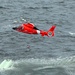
point(49, 33)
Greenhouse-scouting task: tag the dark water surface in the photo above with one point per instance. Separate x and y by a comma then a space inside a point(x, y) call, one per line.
point(24, 54)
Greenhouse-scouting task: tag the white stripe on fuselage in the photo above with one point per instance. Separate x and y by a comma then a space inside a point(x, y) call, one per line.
point(38, 31)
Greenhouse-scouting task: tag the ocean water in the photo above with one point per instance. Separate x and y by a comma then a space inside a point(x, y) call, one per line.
point(24, 54)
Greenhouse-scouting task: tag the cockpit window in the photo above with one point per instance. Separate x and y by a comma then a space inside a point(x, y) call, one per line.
point(20, 28)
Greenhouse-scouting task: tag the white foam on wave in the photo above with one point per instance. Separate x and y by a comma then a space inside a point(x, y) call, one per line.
point(6, 64)
point(73, 34)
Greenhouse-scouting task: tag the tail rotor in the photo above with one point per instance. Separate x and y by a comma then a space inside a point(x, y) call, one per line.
point(51, 31)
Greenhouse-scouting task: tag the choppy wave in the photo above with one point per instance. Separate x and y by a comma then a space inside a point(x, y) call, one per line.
point(37, 64)
point(33, 66)
point(1, 7)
